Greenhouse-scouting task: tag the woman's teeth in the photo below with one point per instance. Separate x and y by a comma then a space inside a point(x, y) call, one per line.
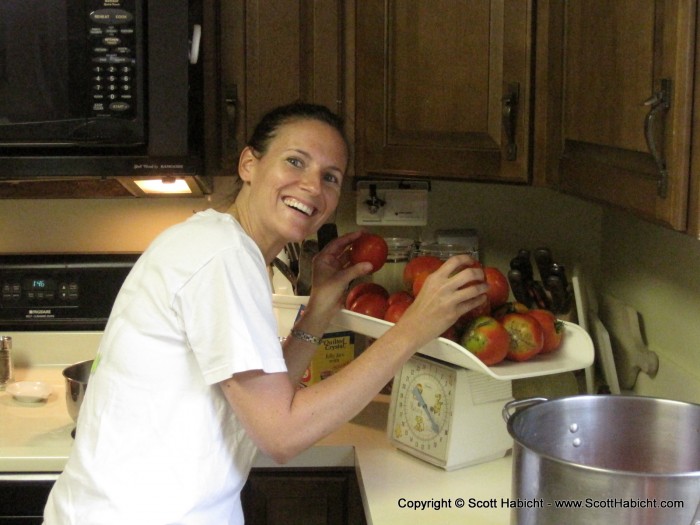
point(293, 203)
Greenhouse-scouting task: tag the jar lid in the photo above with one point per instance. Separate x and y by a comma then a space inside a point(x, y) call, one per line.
point(443, 250)
point(400, 248)
point(398, 243)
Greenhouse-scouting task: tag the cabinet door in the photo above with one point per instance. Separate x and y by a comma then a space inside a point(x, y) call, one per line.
point(628, 63)
point(290, 497)
point(281, 51)
point(443, 88)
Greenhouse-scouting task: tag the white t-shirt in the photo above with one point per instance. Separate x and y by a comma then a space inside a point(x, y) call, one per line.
point(157, 442)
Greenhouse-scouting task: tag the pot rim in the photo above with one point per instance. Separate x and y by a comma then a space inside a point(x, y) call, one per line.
point(590, 468)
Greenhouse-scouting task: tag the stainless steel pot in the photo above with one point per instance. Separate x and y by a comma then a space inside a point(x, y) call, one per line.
point(604, 459)
point(76, 376)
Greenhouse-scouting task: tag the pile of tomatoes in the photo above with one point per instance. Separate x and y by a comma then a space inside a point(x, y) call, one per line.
point(498, 329)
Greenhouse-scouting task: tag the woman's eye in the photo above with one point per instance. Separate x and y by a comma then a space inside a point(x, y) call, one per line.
point(297, 163)
point(331, 177)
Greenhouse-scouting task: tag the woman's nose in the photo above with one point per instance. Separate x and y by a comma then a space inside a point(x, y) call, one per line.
point(311, 182)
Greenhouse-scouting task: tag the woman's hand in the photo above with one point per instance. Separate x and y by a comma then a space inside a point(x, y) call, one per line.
point(332, 274)
point(448, 293)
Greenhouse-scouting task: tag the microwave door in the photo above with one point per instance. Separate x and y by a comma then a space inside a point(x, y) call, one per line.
point(67, 78)
point(39, 93)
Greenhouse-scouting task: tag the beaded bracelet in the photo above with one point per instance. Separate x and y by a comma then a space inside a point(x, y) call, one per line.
point(305, 336)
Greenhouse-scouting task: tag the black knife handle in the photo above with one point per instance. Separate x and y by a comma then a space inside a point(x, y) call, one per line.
point(538, 295)
point(560, 271)
point(517, 286)
point(543, 258)
point(326, 234)
point(522, 265)
point(560, 295)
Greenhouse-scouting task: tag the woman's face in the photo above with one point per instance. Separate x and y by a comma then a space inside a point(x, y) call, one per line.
point(294, 187)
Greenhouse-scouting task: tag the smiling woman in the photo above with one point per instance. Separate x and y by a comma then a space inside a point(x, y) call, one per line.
point(192, 379)
point(295, 179)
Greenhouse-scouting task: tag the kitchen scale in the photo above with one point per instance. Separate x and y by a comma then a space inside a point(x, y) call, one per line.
point(447, 415)
point(446, 405)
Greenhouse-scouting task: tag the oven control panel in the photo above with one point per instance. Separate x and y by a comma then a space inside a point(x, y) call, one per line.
point(40, 290)
point(60, 291)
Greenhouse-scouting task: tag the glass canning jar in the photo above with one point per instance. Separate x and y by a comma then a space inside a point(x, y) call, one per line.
point(390, 276)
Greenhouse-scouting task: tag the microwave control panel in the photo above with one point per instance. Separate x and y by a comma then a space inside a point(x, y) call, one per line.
point(114, 33)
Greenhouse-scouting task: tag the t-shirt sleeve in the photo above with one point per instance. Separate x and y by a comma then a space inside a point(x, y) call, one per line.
point(226, 312)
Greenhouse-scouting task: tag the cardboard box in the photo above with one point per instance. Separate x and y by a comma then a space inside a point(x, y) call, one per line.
point(336, 350)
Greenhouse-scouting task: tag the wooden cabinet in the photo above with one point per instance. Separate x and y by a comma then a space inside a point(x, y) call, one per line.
point(618, 101)
point(279, 51)
point(303, 497)
point(443, 88)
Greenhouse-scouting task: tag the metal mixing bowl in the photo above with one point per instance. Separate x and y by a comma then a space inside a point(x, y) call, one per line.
point(77, 376)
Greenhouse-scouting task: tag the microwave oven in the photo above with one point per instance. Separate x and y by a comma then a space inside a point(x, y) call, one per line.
point(103, 88)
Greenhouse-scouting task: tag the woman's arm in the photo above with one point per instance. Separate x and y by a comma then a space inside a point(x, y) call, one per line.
point(283, 420)
point(331, 277)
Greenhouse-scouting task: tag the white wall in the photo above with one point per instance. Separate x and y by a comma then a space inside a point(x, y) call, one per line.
point(655, 270)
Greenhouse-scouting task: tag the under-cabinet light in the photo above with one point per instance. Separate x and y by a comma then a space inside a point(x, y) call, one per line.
point(167, 185)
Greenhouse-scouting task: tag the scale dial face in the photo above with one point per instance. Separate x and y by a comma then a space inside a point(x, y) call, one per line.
point(422, 415)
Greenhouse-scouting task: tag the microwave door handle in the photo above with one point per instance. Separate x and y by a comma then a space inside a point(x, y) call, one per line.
point(194, 43)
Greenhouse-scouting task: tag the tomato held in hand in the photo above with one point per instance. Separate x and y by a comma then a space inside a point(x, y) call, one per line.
point(369, 248)
point(418, 265)
point(363, 288)
point(552, 328)
point(499, 289)
point(371, 304)
point(487, 339)
point(526, 336)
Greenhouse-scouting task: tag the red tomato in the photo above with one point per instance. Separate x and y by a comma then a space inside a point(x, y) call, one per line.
point(419, 281)
point(552, 328)
point(526, 336)
point(481, 310)
point(511, 307)
point(363, 288)
point(371, 304)
point(499, 289)
point(418, 265)
point(395, 311)
point(487, 339)
point(452, 333)
point(400, 297)
point(369, 248)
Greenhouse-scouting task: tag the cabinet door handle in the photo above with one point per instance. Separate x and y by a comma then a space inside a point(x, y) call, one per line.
point(510, 114)
point(231, 106)
point(659, 103)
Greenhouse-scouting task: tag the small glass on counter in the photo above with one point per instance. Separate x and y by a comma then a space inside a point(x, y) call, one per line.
point(390, 276)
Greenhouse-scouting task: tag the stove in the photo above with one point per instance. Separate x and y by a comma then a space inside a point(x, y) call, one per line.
point(55, 308)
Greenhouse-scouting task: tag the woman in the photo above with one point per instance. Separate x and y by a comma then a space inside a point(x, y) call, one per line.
point(190, 379)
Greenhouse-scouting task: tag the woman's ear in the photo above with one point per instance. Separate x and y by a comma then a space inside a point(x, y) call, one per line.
point(246, 163)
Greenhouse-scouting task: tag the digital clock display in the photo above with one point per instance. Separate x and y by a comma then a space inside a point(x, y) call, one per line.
point(38, 284)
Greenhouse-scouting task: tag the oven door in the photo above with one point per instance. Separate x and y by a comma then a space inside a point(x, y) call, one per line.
point(24, 497)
